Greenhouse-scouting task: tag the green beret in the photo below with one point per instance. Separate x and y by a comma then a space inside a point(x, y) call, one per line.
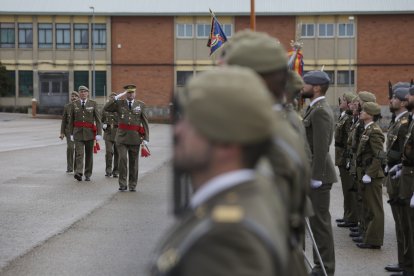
point(349, 96)
point(82, 87)
point(316, 78)
point(75, 93)
point(256, 50)
point(401, 92)
point(229, 105)
point(294, 83)
point(371, 108)
point(130, 87)
point(366, 96)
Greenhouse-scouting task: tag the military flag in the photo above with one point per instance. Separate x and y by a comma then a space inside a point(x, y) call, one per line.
point(217, 36)
point(296, 57)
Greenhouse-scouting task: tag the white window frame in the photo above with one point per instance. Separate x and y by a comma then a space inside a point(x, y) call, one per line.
point(207, 28)
point(326, 30)
point(185, 32)
point(306, 35)
point(346, 29)
point(231, 29)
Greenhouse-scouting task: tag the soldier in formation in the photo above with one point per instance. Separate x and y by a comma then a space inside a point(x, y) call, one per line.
point(110, 127)
point(65, 132)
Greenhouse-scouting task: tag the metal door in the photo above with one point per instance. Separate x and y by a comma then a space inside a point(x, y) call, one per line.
point(54, 89)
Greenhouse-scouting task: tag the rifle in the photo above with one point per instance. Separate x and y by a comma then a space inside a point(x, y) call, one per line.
point(390, 93)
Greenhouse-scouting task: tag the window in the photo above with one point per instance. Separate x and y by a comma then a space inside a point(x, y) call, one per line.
point(62, 36)
point(331, 75)
point(326, 30)
point(7, 35)
point(203, 30)
point(308, 30)
point(99, 35)
point(100, 82)
point(25, 35)
point(184, 30)
point(9, 84)
point(45, 35)
point(80, 78)
point(346, 29)
point(344, 77)
point(26, 83)
point(81, 36)
point(182, 77)
point(227, 29)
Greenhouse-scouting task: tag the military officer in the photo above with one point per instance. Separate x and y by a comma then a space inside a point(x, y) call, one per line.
point(394, 148)
point(64, 132)
point(368, 158)
point(350, 217)
point(85, 128)
point(236, 224)
point(132, 131)
point(110, 127)
point(289, 155)
point(319, 125)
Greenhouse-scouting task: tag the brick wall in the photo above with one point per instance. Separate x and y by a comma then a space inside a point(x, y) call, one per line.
point(384, 52)
point(145, 58)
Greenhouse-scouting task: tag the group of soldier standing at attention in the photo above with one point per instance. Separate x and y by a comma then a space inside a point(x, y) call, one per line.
point(125, 126)
point(258, 170)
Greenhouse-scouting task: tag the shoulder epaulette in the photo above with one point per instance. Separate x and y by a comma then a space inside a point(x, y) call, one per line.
point(227, 214)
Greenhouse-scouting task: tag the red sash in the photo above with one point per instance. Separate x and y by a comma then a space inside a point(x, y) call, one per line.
point(140, 129)
point(96, 146)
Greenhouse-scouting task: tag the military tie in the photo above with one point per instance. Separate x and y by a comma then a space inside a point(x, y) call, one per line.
point(83, 104)
point(130, 105)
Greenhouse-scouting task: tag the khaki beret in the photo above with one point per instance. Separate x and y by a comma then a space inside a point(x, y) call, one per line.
point(130, 88)
point(371, 108)
point(113, 94)
point(349, 96)
point(366, 96)
point(82, 87)
point(75, 93)
point(401, 92)
point(316, 78)
point(257, 51)
point(294, 83)
point(229, 105)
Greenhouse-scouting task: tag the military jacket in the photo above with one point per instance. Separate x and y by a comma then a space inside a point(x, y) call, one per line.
point(89, 115)
point(64, 127)
point(370, 150)
point(135, 117)
point(240, 231)
point(319, 123)
point(342, 129)
point(395, 140)
point(111, 119)
point(407, 175)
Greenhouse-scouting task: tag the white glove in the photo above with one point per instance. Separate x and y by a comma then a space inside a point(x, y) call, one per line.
point(71, 138)
point(395, 168)
point(315, 184)
point(412, 201)
point(98, 137)
point(397, 175)
point(366, 179)
point(104, 126)
point(386, 169)
point(145, 142)
point(120, 95)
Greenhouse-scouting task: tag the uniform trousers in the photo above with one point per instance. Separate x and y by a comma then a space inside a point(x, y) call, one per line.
point(84, 149)
point(374, 212)
point(111, 155)
point(350, 197)
point(70, 153)
point(128, 165)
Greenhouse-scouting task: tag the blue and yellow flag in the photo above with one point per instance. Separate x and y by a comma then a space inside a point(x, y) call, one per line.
point(217, 37)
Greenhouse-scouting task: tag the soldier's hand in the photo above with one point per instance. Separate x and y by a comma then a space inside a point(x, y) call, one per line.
point(315, 184)
point(396, 175)
point(386, 169)
point(104, 126)
point(412, 201)
point(145, 142)
point(61, 136)
point(395, 168)
point(71, 138)
point(98, 137)
point(117, 97)
point(348, 166)
point(366, 179)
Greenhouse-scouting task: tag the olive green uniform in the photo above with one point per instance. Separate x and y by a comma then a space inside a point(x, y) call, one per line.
point(111, 151)
point(406, 192)
point(342, 130)
point(84, 136)
point(395, 141)
point(128, 139)
point(319, 124)
point(368, 161)
point(64, 128)
point(239, 231)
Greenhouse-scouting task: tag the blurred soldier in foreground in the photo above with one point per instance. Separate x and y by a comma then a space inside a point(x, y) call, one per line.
point(132, 131)
point(236, 224)
point(319, 123)
point(342, 129)
point(267, 57)
point(85, 127)
point(110, 127)
point(65, 132)
point(370, 173)
point(394, 149)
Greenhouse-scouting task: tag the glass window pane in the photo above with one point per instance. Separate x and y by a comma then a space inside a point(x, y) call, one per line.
point(330, 30)
point(322, 30)
point(303, 29)
point(180, 30)
point(341, 29)
point(26, 83)
point(100, 82)
point(200, 30)
point(189, 30)
point(350, 29)
point(182, 77)
point(81, 78)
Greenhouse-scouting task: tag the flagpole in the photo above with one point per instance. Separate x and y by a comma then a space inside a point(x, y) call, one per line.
point(252, 16)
